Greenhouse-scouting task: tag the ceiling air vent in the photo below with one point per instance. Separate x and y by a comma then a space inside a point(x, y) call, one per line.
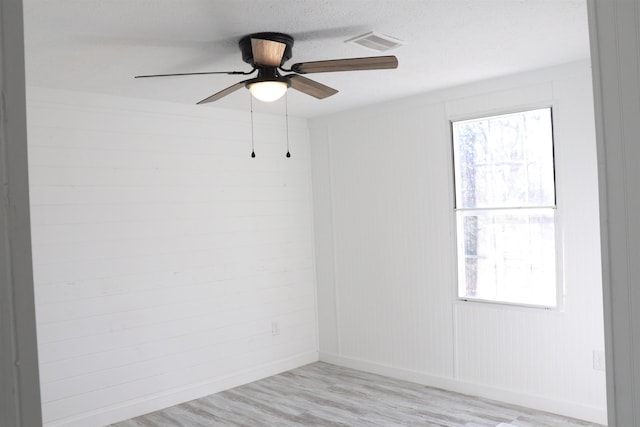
point(376, 41)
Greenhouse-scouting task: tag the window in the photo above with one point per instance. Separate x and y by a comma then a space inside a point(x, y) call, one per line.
point(505, 208)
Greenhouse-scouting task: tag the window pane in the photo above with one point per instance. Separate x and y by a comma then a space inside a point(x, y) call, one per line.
point(508, 256)
point(505, 161)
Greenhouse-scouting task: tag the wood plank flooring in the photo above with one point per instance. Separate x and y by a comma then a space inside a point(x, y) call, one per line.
point(321, 394)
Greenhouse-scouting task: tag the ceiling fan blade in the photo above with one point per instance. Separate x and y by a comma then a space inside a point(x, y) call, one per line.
point(223, 92)
point(267, 52)
point(310, 87)
point(195, 74)
point(350, 64)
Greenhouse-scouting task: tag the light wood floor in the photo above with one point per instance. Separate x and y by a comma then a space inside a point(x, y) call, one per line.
point(321, 394)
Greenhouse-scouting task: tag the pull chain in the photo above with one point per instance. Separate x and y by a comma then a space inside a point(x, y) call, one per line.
point(286, 115)
point(253, 152)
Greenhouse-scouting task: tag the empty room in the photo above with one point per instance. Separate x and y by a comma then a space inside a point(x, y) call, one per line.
point(296, 212)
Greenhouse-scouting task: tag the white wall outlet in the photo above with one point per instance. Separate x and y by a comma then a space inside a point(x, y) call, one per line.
point(275, 328)
point(598, 360)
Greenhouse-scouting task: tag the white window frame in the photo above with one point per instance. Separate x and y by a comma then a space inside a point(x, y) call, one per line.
point(459, 266)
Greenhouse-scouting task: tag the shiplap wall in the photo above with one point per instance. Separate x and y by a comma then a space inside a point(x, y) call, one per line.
point(163, 252)
point(385, 250)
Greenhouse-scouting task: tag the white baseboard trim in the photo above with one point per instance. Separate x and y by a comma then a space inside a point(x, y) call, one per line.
point(112, 414)
point(568, 409)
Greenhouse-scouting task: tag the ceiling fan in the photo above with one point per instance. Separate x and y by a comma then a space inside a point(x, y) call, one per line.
point(267, 52)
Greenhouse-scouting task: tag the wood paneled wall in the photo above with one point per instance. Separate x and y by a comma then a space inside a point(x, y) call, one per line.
point(163, 253)
point(385, 239)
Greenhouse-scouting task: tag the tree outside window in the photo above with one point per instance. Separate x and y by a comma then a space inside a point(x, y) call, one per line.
point(506, 208)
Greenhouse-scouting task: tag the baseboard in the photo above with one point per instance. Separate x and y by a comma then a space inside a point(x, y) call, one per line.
point(568, 409)
point(112, 414)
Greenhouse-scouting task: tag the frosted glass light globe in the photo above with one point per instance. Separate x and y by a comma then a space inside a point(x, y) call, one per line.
point(268, 91)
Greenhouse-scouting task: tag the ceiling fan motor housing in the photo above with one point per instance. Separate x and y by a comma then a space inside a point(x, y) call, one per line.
point(268, 74)
point(247, 52)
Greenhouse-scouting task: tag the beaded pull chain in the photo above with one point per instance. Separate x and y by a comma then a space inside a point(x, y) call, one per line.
point(253, 152)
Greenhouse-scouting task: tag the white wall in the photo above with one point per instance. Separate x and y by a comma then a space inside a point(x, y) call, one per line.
point(163, 252)
point(386, 258)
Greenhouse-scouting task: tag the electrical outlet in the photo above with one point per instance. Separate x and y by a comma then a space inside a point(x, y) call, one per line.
point(275, 328)
point(598, 360)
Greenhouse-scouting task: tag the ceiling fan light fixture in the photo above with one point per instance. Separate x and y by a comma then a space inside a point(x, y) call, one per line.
point(268, 91)
point(267, 52)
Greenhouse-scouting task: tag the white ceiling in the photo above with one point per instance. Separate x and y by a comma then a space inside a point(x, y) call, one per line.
point(99, 45)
